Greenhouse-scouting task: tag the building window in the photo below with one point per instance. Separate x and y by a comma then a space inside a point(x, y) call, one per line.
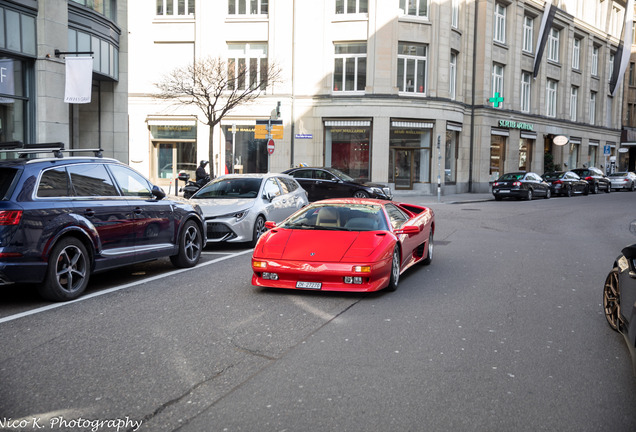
point(347, 147)
point(352, 6)
point(455, 14)
point(631, 74)
point(611, 66)
point(526, 82)
point(453, 75)
point(595, 61)
point(105, 55)
point(574, 98)
point(411, 73)
point(107, 8)
point(350, 67)
point(174, 7)
point(247, 66)
point(553, 45)
point(247, 154)
point(497, 83)
point(550, 98)
point(418, 8)
point(576, 54)
point(500, 23)
point(528, 33)
point(592, 108)
point(247, 7)
point(608, 111)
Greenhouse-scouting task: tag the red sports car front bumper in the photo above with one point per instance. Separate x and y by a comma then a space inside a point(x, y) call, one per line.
point(330, 276)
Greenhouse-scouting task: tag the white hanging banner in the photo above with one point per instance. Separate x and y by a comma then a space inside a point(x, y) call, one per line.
point(79, 79)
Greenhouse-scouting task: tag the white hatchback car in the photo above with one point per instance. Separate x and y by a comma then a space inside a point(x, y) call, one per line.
point(236, 206)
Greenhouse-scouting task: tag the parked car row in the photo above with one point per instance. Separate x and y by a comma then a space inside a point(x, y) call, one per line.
point(527, 185)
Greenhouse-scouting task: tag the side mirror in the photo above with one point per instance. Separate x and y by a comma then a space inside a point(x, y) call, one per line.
point(183, 176)
point(270, 224)
point(158, 193)
point(408, 230)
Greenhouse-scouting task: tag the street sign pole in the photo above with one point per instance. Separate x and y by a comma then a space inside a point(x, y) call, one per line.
point(233, 146)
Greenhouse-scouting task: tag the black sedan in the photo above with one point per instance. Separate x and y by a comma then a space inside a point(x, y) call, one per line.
point(566, 183)
point(619, 298)
point(595, 178)
point(520, 185)
point(323, 183)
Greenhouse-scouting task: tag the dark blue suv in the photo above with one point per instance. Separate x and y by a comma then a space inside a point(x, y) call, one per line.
point(63, 218)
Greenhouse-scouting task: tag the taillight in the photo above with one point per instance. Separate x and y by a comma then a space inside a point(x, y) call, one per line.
point(589, 178)
point(557, 182)
point(10, 217)
point(516, 184)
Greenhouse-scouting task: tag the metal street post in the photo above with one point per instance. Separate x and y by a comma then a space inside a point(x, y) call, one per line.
point(439, 170)
point(233, 145)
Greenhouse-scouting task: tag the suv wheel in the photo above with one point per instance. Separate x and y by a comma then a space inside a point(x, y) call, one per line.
point(68, 271)
point(190, 245)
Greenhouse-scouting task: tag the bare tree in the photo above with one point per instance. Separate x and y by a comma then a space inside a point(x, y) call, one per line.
point(216, 87)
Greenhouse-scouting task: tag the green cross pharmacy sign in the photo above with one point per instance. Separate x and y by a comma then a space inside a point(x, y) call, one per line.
point(496, 100)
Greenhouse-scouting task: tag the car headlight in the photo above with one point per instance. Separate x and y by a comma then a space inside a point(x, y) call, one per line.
point(240, 215)
point(377, 191)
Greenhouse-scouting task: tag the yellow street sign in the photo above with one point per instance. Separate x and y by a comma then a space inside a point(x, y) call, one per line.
point(277, 132)
point(260, 131)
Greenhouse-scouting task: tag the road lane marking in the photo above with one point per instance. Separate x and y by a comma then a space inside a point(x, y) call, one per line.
point(118, 288)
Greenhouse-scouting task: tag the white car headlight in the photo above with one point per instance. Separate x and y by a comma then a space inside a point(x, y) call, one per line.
point(240, 215)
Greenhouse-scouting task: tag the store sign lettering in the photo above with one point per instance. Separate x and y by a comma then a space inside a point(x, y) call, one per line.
point(516, 125)
point(175, 128)
point(409, 131)
point(348, 130)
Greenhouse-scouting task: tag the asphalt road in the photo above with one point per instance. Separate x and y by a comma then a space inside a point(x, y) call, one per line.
point(503, 331)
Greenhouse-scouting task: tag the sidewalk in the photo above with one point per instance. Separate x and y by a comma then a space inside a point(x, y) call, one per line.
point(414, 198)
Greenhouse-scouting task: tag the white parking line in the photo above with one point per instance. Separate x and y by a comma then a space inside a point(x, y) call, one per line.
point(118, 288)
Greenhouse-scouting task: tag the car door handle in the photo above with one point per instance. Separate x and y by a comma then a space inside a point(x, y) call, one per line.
point(89, 212)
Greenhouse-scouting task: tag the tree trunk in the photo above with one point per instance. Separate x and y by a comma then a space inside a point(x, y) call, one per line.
point(211, 153)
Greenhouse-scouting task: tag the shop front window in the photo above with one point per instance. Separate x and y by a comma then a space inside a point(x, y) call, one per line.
point(13, 103)
point(410, 153)
point(497, 148)
point(347, 147)
point(592, 152)
point(525, 154)
point(573, 157)
point(248, 155)
point(174, 149)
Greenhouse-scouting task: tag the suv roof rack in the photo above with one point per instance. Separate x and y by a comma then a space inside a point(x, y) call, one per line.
point(23, 150)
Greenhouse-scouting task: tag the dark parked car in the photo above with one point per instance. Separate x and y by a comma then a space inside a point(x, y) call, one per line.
point(566, 183)
point(64, 218)
point(619, 298)
point(520, 185)
point(323, 183)
point(595, 178)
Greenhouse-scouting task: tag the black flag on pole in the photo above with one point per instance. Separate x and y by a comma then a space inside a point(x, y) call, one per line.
point(624, 48)
point(544, 32)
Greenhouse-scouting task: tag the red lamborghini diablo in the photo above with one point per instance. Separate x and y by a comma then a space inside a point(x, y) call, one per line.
point(349, 244)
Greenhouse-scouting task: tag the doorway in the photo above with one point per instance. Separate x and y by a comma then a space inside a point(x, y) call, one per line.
point(171, 158)
point(402, 163)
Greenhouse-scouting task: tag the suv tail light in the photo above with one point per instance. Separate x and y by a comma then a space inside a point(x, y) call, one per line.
point(558, 182)
point(10, 217)
point(589, 178)
point(516, 184)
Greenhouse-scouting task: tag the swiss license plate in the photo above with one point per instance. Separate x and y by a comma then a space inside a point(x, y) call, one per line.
point(309, 285)
point(504, 191)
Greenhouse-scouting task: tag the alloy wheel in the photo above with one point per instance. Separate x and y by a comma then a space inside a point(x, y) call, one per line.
point(611, 299)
